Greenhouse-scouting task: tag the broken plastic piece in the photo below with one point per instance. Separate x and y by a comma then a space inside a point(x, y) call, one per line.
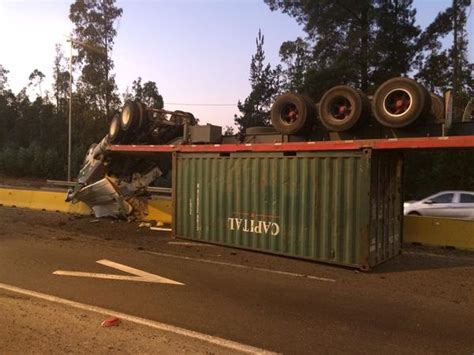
point(111, 322)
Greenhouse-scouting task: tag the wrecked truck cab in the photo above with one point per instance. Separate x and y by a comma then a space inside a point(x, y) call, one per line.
point(117, 185)
point(92, 168)
point(105, 199)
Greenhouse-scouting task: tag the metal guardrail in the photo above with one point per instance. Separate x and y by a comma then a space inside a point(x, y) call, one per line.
point(160, 190)
point(60, 183)
point(153, 190)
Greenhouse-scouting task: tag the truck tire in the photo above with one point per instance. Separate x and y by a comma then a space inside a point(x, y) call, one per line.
point(115, 132)
point(182, 117)
point(437, 107)
point(130, 116)
point(401, 102)
point(292, 113)
point(342, 108)
point(143, 115)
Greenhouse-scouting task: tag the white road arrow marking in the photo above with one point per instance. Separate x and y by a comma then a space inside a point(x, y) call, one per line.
point(140, 276)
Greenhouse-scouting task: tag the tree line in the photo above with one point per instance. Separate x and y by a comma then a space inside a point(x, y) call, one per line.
point(360, 43)
point(34, 131)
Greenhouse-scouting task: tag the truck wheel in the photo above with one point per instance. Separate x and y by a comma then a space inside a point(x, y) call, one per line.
point(143, 115)
point(342, 108)
point(401, 102)
point(115, 133)
point(130, 117)
point(292, 113)
point(182, 117)
point(437, 107)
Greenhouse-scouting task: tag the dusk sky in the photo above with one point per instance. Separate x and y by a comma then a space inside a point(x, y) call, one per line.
point(197, 51)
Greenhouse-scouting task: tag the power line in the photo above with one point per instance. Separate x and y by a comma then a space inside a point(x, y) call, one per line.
point(187, 104)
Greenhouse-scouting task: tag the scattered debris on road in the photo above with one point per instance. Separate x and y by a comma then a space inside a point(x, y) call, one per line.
point(111, 322)
point(161, 229)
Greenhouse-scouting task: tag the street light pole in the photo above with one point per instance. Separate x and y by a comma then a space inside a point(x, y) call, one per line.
point(69, 146)
point(97, 50)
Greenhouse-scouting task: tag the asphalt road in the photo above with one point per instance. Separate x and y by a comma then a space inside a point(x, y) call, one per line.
point(420, 302)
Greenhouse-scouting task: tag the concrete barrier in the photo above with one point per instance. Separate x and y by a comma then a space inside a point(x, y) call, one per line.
point(424, 230)
point(445, 232)
point(40, 200)
point(159, 209)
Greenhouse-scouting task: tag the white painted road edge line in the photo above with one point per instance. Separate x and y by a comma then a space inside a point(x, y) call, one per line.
point(137, 320)
point(286, 273)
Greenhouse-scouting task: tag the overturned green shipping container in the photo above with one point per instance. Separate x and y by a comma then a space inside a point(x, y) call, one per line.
point(339, 207)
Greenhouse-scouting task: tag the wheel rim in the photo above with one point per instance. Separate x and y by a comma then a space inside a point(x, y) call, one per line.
point(397, 102)
point(289, 114)
point(126, 115)
point(113, 128)
point(340, 108)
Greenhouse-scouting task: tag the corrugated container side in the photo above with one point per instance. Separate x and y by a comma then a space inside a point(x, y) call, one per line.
point(386, 206)
point(312, 205)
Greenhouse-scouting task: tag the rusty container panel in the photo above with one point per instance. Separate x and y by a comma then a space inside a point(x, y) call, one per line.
point(322, 206)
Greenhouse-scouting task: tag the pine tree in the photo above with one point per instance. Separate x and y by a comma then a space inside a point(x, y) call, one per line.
point(462, 77)
point(396, 37)
point(339, 34)
point(360, 43)
point(296, 58)
point(443, 68)
point(264, 82)
point(435, 72)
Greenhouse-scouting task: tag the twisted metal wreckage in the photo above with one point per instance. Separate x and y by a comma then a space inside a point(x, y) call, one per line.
point(119, 185)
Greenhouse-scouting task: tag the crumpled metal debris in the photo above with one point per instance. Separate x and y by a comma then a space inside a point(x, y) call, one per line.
point(139, 207)
point(108, 196)
point(144, 225)
point(105, 199)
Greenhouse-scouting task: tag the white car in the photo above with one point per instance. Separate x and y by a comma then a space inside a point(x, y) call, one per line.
point(451, 204)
